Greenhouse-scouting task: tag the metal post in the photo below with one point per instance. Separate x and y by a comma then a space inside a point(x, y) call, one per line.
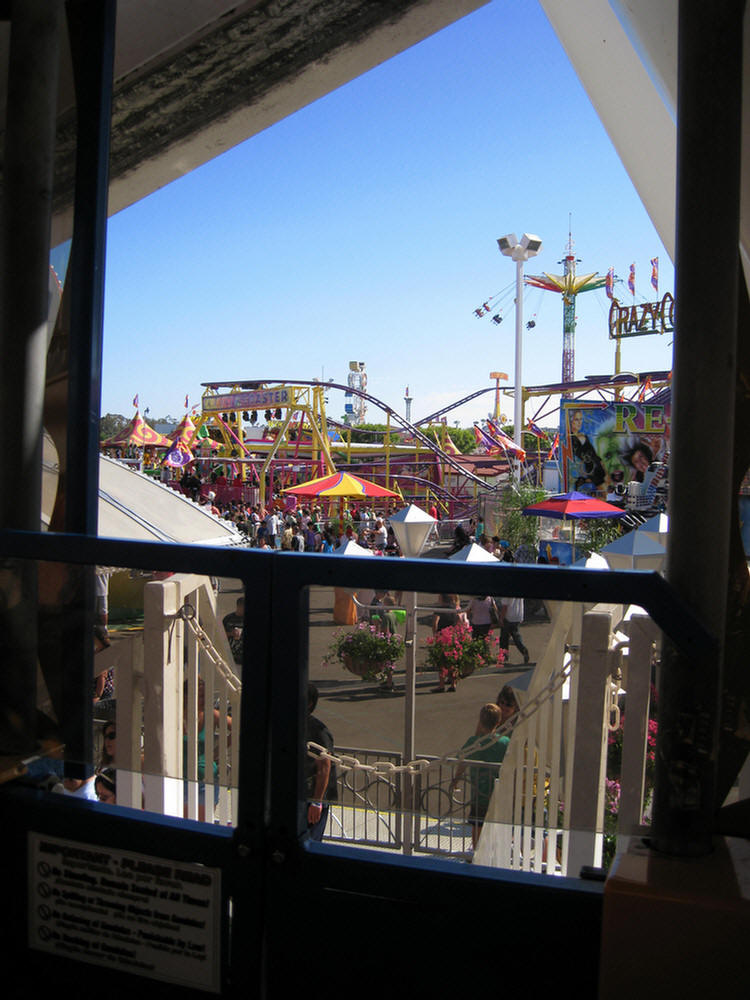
point(92, 38)
point(518, 392)
point(91, 28)
point(410, 681)
point(708, 187)
point(24, 313)
point(24, 264)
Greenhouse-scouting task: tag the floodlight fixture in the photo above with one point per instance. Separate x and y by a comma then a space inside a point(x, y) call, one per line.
point(531, 245)
point(509, 246)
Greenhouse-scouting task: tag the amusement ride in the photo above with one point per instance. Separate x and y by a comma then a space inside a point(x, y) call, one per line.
point(269, 434)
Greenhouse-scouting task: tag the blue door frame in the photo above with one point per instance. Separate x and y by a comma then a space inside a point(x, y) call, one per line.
point(329, 913)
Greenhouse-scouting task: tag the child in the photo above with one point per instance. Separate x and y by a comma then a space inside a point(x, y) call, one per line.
point(490, 749)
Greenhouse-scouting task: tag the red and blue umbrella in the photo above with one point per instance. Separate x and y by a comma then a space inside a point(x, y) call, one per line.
point(573, 506)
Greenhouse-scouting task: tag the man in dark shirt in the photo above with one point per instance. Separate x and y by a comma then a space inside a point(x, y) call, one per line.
point(319, 772)
point(233, 626)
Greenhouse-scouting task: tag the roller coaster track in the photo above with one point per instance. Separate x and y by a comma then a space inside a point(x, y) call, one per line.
point(401, 421)
point(452, 406)
point(583, 386)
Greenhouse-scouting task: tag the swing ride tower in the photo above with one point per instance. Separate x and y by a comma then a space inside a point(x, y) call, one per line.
point(569, 285)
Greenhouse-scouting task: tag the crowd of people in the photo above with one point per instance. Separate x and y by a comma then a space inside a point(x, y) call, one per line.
point(304, 529)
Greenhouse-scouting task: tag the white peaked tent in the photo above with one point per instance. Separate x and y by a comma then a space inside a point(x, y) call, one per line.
point(134, 506)
point(634, 551)
point(352, 548)
point(473, 553)
point(657, 528)
point(594, 561)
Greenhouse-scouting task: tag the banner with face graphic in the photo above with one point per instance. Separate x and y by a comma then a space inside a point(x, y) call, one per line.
point(605, 444)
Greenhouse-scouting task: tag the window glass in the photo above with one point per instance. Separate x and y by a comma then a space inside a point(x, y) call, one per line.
point(515, 751)
point(159, 657)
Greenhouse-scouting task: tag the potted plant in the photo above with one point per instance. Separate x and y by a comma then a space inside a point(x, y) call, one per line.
point(456, 652)
point(366, 652)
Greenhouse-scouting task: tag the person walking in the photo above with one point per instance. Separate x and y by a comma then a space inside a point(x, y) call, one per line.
point(511, 617)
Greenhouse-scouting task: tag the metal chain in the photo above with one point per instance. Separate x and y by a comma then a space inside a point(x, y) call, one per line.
point(347, 763)
point(613, 711)
point(187, 613)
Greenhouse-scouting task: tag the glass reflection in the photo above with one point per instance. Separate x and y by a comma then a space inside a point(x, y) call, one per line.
point(164, 675)
point(510, 756)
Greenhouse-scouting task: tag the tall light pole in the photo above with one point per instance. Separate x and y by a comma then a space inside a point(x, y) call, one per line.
point(528, 247)
point(411, 526)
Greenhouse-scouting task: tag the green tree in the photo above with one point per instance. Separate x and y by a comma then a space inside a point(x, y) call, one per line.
point(462, 437)
point(370, 434)
point(110, 424)
point(595, 534)
point(516, 527)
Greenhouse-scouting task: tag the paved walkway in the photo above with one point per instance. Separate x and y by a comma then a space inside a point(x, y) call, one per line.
point(359, 714)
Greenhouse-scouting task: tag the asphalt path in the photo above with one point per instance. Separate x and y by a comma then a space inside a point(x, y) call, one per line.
point(362, 716)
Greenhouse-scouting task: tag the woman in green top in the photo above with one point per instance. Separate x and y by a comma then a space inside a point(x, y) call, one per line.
point(489, 749)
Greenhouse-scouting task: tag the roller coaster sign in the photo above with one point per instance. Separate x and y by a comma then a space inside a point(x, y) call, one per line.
point(640, 320)
point(254, 399)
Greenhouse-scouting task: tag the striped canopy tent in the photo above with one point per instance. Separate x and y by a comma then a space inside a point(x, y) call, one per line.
point(179, 454)
point(473, 553)
point(185, 429)
point(340, 484)
point(138, 433)
point(202, 440)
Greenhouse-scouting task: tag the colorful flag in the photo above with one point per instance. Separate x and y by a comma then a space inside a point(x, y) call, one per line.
point(135, 401)
point(631, 280)
point(533, 429)
point(187, 404)
point(480, 437)
point(609, 283)
point(655, 273)
point(178, 455)
point(553, 449)
point(499, 437)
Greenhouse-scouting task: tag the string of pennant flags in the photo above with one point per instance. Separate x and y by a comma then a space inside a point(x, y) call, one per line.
point(609, 285)
point(490, 307)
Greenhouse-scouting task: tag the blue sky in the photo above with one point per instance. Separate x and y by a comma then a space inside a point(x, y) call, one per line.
point(364, 227)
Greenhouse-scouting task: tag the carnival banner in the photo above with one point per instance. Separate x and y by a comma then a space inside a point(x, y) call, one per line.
point(607, 444)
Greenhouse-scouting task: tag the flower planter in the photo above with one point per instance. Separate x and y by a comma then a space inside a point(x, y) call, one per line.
point(362, 668)
point(455, 652)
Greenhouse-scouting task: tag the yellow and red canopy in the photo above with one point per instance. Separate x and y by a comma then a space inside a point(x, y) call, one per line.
point(339, 484)
point(138, 433)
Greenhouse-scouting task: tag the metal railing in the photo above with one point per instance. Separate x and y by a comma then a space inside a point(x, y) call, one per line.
point(551, 785)
point(367, 810)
